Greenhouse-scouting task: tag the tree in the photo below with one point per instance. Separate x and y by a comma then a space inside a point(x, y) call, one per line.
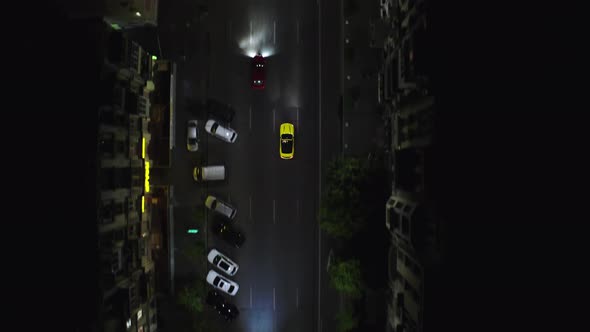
point(345, 276)
point(339, 223)
point(341, 214)
point(192, 297)
point(346, 319)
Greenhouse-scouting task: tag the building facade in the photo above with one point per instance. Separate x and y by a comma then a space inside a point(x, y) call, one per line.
point(127, 276)
point(404, 91)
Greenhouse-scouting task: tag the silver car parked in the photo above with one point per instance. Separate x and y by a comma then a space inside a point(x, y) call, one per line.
point(192, 136)
point(221, 207)
point(216, 129)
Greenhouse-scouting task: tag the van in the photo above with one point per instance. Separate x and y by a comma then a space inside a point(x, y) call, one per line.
point(221, 207)
point(209, 173)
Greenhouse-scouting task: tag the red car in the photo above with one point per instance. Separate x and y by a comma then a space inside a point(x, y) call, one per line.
point(258, 72)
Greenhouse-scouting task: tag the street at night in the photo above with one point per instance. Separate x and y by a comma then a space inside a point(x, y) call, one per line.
point(285, 166)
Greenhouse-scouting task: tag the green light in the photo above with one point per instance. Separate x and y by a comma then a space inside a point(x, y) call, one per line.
point(154, 57)
point(193, 231)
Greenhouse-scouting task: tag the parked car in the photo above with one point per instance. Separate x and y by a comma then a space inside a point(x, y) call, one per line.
point(216, 129)
point(221, 207)
point(209, 173)
point(192, 136)
point(224, 308)
point(222, 262)
point(229, 235)
point(220, 282)
point(220, 111)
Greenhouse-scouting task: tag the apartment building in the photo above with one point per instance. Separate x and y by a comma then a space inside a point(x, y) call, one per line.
point(127, 275)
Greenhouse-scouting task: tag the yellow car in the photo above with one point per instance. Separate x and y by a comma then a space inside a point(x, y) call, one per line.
point(287, 146)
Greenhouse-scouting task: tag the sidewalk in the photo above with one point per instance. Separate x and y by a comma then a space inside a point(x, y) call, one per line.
point(363, 128)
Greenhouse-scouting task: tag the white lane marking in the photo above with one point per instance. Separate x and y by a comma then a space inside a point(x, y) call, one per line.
point(297, 117)
point(273, 120)
point(274, 302)
point(250, 33)
point(250, 117)
point(250, 296)
point(274, 211)
point(250, 207)
point(274, 32)
point(297, 298)
point(297, 31)
point(320, 163)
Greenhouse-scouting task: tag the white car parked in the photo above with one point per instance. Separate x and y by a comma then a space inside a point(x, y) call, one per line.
point(222, 262)
point(218, 281)
point(192, 136)
point(214, 128)
point(221, 207)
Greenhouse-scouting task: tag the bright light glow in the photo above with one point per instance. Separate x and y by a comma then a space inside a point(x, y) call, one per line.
point(143, 148)
point(154, 57)
point(142, 204)
point(128, 323)
point(147, 177)
point(193, 231)
point(138, 14)
point(257, 45)
point(139, 313)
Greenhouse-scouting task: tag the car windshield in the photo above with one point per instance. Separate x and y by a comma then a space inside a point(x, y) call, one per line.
point(216, 259)
point(286, 136)
point(224, 265)
point(214, 127)
point(231, 289)
point(287, 145)
point(192, 140)
point(217, 281)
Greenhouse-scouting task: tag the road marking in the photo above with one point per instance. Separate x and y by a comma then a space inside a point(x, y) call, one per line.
point(297, 31)
point(250, 122)
point(320, 163)
point(273, 120)
point(274, 211)
point(274, 302)
point(297, 117)
point(250, 296)
point(297, 298)
point(250, 33)
point(274, 32)
point(250, 207)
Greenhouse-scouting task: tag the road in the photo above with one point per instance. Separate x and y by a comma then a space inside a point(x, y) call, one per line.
point(276, 199)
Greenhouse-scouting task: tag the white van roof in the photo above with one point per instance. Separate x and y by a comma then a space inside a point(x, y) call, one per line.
point(216, 172)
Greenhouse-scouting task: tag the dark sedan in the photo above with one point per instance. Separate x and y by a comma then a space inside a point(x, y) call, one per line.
point(225, 309)
point(229, 235)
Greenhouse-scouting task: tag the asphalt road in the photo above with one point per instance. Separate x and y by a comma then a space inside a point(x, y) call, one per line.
point(276, 199)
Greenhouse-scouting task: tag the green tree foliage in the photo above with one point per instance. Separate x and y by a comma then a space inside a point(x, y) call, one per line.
point(346, 319)
point(339, 223)
point(192, 297)
point(345, 277)
point(341, 214)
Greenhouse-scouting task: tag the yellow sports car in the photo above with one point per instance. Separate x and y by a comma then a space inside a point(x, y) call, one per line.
point(287, 146)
